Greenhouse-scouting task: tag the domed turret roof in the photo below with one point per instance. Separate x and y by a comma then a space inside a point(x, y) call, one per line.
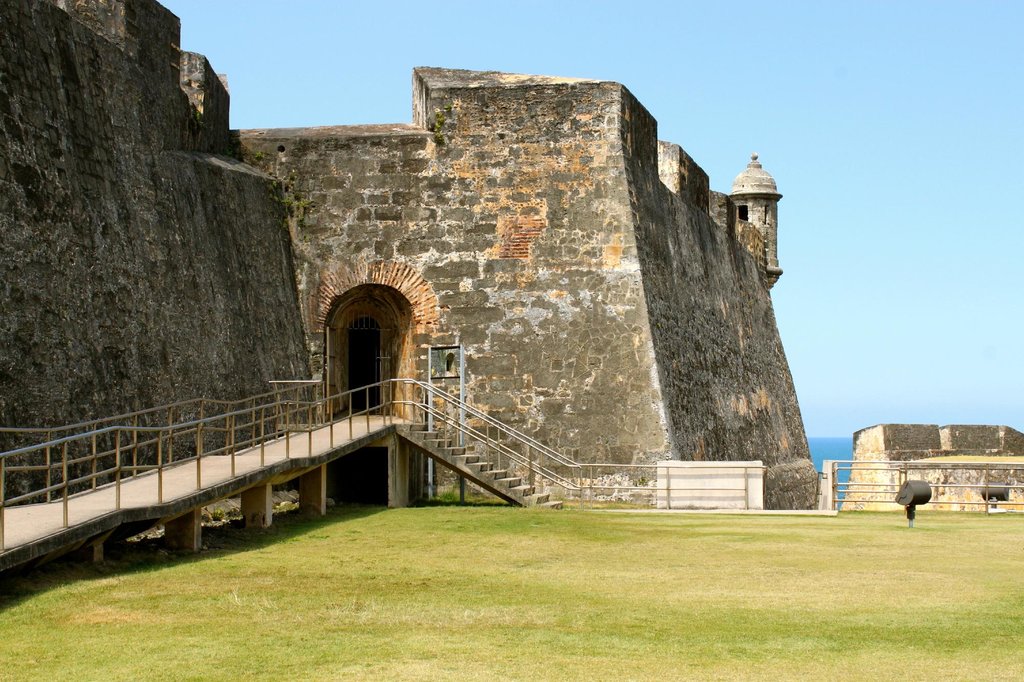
point(754, 180)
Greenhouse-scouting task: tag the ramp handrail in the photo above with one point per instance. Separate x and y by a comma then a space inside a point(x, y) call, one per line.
point(76, 458)
point(180, 406)
point(81, 462)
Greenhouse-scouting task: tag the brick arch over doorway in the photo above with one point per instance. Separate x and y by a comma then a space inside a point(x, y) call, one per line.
point(399, 276)
point(367, 338)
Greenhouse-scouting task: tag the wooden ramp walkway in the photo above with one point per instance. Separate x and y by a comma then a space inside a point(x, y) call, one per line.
point(35, 532)
point(70, 489)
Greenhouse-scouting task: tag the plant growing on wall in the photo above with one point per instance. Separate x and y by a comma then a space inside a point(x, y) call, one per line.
point(439, 121)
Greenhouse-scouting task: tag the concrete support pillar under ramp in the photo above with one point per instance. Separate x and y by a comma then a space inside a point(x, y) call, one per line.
point(313, 491)
point(258, 506)
point(185, 532)
point(92, 550)
point(399, 471)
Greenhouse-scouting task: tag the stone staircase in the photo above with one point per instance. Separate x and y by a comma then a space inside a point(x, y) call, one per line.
point(473, 466)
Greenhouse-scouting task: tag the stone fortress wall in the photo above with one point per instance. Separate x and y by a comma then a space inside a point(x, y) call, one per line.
point(141, 264)
point(610, 304)
point(603, 309)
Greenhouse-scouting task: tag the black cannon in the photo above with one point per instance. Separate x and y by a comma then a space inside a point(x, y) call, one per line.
point(911, 494)
point(995, 493)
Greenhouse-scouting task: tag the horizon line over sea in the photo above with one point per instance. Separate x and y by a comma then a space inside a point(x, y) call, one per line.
point(835, 447)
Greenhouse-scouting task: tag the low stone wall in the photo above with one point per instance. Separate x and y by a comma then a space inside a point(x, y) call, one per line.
point(710, 485)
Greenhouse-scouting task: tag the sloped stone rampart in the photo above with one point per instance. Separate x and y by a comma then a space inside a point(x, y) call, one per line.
point(726, 385)
point(139, 264)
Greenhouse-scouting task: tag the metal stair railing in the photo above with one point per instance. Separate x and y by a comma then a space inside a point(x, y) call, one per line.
point(531, 465)
point(497, 440)
point(960, 485)
point(584, 479)
point(491, 421)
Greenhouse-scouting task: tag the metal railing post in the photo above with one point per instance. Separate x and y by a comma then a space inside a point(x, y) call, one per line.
point(199, 456)
point(64, 469)
point(579, 484)
point(350, 437)
point(429, 413)
point(263, 435)
point(117, 469)
point(252, 423)
point(49, 467)
point(93, 479)
point(309, 429)
point(366, 405)
point(3, 498)
point(231, 420)
point(160, 466)
point(135, 446)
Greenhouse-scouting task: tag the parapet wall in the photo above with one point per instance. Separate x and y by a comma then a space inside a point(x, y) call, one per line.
point(899, 442)
point(682, 176)
point(138, 267)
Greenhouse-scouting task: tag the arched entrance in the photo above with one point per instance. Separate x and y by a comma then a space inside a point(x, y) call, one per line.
point(366, 341)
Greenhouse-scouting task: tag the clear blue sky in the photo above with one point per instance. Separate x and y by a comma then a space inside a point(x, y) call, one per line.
point(895, 131)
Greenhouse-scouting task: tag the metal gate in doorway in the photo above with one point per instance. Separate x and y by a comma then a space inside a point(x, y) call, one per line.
point(368, 359)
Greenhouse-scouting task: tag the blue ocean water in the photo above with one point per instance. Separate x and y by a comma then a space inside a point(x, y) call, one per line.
point(830, 448)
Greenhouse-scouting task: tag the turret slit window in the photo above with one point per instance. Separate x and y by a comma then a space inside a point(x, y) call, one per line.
point(742, 212)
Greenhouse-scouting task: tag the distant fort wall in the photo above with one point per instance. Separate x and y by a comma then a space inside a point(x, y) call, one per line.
point(900, 442)
point(957, 460)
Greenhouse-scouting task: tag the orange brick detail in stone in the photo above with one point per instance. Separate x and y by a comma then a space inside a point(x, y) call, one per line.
point(334, 283)
point(517, 235)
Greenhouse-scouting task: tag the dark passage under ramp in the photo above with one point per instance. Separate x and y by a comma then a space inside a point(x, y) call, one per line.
point(359, 477)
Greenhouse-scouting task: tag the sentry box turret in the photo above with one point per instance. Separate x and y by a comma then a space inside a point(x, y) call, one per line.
point(911, 494)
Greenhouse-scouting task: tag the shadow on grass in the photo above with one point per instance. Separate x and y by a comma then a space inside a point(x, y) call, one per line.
point(452, 500)
point(127, 557)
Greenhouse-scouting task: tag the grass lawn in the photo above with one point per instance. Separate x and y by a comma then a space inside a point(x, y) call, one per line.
point(504, 593)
